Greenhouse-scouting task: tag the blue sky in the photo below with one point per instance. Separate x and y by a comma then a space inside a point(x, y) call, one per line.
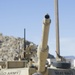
point(15, 15)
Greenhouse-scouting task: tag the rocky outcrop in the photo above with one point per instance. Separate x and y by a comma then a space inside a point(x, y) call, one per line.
point(11, 47)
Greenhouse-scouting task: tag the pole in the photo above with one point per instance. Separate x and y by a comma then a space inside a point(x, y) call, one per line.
point(57, 28)
point(24, 41)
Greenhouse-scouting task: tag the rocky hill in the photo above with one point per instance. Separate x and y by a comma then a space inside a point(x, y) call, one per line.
point(11, 47)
